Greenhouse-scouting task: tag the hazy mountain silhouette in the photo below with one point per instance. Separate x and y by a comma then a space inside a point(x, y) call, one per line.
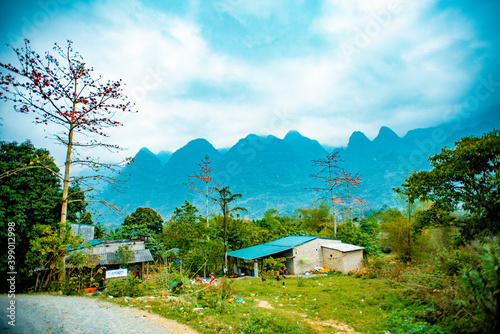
point(274, 173)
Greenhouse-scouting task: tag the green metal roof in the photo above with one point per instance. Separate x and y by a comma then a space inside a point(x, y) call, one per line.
point(273, 247)
point(291, 241)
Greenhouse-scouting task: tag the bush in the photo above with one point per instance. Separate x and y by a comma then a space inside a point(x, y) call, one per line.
point(405, 322)
point(216, 296)
point(451, 263)
point(124, 287)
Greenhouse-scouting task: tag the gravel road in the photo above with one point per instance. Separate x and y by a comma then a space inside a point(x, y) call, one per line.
point(75, 314)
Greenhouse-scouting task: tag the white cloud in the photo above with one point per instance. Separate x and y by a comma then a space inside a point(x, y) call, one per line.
point(394, 63)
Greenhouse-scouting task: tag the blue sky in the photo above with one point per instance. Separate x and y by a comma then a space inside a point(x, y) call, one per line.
point(223, 69)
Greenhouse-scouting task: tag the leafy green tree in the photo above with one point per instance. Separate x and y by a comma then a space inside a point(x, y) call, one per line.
point(123, 255)
point(100, 231)
point(141, 221)
point(242, 233)
point(157, 249)
point(316, 220)
point(186, 230)
point(274, 226)
point(463, 178)
point(184, 227)
point(225, 199)
point(29, 196)
point(351, 234)
point(46, 247)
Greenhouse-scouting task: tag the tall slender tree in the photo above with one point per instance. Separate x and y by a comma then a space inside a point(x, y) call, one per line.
point(204, 175)
point(225, 199)
point(60, 89)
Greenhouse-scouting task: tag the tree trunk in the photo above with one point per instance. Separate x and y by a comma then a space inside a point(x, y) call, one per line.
point(207, 195)
point(225, 239)
point(64, 206)
point(332, 199)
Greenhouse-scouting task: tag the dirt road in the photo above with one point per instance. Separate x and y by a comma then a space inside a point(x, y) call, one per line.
point(62, 314)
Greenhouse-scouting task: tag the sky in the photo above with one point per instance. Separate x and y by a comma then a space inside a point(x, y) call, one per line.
point(223, 69)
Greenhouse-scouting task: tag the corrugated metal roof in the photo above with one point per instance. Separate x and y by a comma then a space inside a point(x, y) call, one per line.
point(143, 255)
point(341, 247)
point(270, 248)
point(258, 251)
point(291, 241)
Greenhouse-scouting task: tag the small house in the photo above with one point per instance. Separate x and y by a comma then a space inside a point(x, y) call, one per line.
point(105, 250)
point(302, 254)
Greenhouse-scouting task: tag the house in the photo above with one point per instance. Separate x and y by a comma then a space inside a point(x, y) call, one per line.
point(302, 254)
point(105, 250)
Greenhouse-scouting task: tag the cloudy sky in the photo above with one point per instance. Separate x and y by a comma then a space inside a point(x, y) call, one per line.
point(223, 69)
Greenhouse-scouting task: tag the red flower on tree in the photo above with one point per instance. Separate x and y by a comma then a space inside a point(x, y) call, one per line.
point(61, 90)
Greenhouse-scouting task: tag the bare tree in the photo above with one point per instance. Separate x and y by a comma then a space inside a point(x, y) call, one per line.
point(59, 89)
point(333, 179)
point(204, 175)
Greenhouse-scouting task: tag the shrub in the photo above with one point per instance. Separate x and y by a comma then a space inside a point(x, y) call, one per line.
point(216, 296)
point(122, 287)
point(405, 322)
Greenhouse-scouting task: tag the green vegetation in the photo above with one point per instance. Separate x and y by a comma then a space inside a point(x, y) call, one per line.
point(325, 303)
point(129, 286)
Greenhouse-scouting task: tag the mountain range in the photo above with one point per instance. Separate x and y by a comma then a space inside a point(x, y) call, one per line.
point(271, 172)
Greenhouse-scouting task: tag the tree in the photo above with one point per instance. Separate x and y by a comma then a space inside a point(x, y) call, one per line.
point(315, 220)
point(184, 228)
point(347, 183)
point(272, 226)
point(60, 90)
point(100, 231)
point(464, 178)
point(45, 251)
point(327, 174)
point(224, 200)
point(141, 221)
point(204, 175)
point(333, 179)
point(124, 255)
point(187, 232)
point(30, 195)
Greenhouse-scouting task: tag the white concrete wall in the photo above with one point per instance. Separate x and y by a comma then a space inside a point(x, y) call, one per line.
point(310, 250)
point(344, 262)
point(352, 260)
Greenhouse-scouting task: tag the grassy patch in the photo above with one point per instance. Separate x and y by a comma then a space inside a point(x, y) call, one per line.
point(318, 304)
point(393, 298)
